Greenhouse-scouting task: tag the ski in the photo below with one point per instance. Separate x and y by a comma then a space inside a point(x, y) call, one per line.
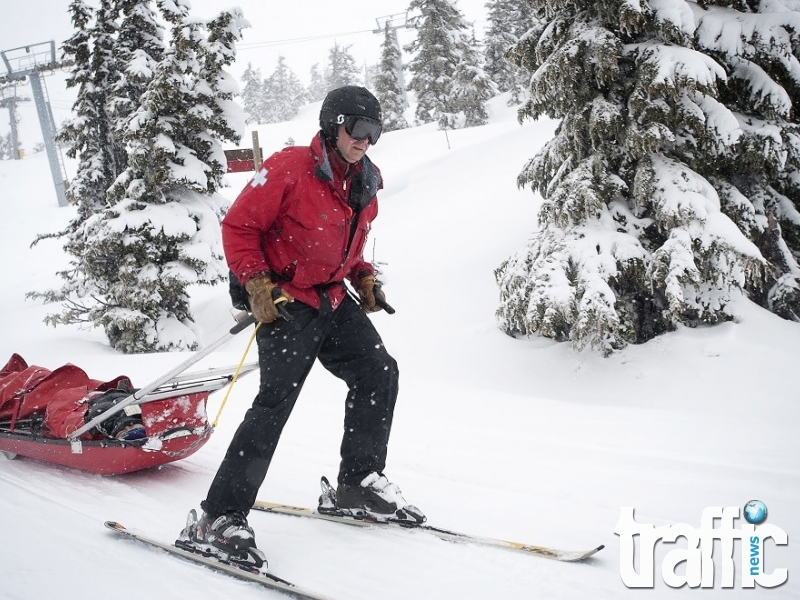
point(444, 534)
point(264, 579)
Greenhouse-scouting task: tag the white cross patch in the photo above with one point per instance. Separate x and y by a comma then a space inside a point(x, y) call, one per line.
point(260, 178)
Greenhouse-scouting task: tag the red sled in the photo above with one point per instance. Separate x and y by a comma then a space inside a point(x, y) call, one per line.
point(43, 415)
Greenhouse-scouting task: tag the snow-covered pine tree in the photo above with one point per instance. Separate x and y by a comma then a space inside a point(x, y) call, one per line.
point(319, 85)
point(664, 170)
point(508, 21)
point(216, 89)
point(758, 43)
point(370, 75)
point(160, 234)
point(253, 95)
point(472, 88)
point(440, 48)
point(283, 94)
point(388, 89)
point(138, 48)
point(89, 137)
point(342, 68)
point(435, 56)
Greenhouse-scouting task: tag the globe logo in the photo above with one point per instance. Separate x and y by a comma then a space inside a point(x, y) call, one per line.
point(755, 512)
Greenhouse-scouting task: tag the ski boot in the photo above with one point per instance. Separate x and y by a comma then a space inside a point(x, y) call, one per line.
point(227, 538)
point(374, 499)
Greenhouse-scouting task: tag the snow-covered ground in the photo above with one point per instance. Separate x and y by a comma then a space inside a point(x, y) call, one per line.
point(517, 439)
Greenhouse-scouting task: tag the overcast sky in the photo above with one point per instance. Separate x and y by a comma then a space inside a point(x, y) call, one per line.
point(303, 31)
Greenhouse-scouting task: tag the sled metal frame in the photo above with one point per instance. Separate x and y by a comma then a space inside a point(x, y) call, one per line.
point(209, 381)
point(200, 381)
point(160, 388)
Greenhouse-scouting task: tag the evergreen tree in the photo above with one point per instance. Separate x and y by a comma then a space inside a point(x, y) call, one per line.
point(159, 232)
point(138, 48)
point(759, 180)
point(284, 94)
point(472, 88)
point(342, 69)
point(253, 95)
point(89, 136)
point(442, 63)
point(435, 57)
point(388, 89)
point(508, 20)
point(370, 76)
point(672, 182)
point(217, 89)
point(319, 85)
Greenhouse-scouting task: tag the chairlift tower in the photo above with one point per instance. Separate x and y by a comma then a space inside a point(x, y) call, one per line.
point(10, 102)
point(393, 23)
point(32, 62)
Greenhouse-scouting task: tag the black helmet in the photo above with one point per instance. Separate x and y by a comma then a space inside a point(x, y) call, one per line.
point(347, 101)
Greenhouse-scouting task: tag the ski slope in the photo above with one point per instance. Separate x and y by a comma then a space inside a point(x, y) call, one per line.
point(525, 440)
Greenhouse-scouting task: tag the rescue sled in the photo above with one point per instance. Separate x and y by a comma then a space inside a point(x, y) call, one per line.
point(172, 409)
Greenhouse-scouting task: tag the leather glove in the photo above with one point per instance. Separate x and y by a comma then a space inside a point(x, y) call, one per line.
point(366, 291)
point(264, 296)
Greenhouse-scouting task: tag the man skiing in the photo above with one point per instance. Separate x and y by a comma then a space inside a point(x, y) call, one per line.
point(293, 237)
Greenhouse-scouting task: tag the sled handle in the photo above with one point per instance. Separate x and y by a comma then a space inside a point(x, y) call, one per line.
point(244, 323)
point(381, 302)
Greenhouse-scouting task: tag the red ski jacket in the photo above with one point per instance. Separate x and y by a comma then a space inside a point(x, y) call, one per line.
point(293, 222)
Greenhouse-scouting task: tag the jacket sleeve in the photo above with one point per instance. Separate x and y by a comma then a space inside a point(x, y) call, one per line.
point(249, 218)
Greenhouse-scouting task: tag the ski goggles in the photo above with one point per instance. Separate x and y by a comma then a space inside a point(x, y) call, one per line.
point(361, 128)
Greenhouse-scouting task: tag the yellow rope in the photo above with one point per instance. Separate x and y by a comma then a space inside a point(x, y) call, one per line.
point(235, 376)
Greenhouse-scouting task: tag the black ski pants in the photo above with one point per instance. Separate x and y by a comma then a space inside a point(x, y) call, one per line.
point(346, 344)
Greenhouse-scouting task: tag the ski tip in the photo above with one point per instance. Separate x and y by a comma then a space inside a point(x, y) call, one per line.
point(579, 556)
point(114, 525)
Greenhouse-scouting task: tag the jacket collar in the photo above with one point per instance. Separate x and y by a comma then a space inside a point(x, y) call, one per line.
point(326, 165)
point(323, 169)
